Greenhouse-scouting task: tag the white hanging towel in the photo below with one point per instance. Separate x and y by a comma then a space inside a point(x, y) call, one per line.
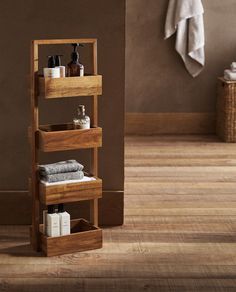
point(185, 17)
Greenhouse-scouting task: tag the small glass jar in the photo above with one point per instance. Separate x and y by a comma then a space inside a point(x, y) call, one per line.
point(81, 121)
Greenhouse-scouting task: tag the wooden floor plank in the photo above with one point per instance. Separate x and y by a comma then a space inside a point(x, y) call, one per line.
point(117, 285)
point(153, 161)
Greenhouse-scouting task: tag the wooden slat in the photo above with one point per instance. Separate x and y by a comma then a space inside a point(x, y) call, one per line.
point(33, 151)
point(70, 86)
point(59, 140)
point(69, 187)
point(65, 41)
point(70, 197)
point(72, 192)
point(116, 285)
point(139, 161)
point(94, 151)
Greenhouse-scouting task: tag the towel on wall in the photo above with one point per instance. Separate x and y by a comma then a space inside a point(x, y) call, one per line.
point(185, 17)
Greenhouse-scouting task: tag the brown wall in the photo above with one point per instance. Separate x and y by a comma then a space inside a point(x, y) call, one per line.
point(156, 80)
point(19, 23)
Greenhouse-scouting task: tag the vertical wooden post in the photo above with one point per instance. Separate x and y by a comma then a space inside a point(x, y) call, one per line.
point(94, 154)
point(34, 155)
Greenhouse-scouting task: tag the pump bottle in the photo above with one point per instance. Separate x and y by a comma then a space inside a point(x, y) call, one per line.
point(74, 68)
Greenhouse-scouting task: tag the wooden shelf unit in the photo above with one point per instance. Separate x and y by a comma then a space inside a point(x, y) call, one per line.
point(47, 138)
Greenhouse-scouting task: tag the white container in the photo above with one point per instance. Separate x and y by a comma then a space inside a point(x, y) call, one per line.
point(64, 220)
point(62, 71)
point(64, 223)
point(51, 72)
point(53, 225)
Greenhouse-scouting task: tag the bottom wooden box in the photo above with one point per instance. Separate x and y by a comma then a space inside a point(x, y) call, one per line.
point(84, 236)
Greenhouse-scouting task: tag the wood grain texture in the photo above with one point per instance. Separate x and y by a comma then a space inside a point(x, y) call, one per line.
point(65, 41)
point(34, 111)
point(72, 192)
point(179, 232)
point(83, 237)
point(63, 137)
point(70, 86)
point(169, 123)
point(94, 151)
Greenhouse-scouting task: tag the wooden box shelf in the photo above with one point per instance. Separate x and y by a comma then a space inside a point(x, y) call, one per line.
point(84, 236)
point(70, 192)
point(70, 86)
point(64, 137)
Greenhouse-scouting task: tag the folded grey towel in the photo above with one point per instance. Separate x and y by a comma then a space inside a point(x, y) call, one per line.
point(60, 167)
point(63, 176)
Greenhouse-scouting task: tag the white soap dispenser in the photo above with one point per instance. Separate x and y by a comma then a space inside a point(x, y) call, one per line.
point(53, 222)
point(64, 220)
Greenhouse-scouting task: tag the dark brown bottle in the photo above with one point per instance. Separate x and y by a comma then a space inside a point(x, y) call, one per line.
point(74, 68)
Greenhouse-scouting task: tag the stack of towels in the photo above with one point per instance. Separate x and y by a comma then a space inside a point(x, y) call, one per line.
point(230, 74)
point(61, 171)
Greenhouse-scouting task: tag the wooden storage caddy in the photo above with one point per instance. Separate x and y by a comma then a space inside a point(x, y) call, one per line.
point(71, 192)
point(84, 236)
point(70, 86)
point(65, 137)
point(226, 111)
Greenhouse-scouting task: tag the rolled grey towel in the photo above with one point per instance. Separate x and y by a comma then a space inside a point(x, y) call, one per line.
point(63, 176)
point(60, 167)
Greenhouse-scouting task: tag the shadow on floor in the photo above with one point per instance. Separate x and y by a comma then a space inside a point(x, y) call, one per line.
point(24, 250)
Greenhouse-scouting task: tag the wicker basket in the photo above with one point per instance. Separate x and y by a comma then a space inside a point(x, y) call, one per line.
point(226, 111)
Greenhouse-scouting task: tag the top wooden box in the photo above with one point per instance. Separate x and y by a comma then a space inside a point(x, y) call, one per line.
point(70, 86)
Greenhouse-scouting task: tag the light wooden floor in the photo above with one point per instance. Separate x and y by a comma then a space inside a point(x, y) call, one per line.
point(179, 232)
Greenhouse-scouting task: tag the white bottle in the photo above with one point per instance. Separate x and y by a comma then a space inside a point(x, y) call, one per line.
point(51, 71)
point(58, 65)
point(53, 222)
point(64, 220)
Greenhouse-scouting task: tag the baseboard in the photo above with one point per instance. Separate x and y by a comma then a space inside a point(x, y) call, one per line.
point(15, 208)
point(169, 123)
